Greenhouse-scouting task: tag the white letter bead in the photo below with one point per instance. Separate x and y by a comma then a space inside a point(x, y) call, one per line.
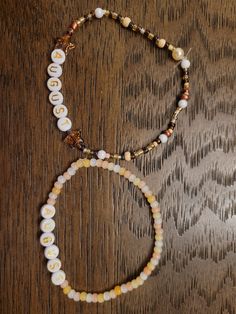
point(47, 225)
point(54, 84)
point(64, 124)
point(101, 154)
point(58, 277)
point(51, 251)
point(185, 64)
point(99, 13)
point(47, 238)
point(183, 103)
point(47, 211)
point(163, 138)
point(58, 56)
point(56, 98)
point(53, 265)
point(54, 70)
point(60, 111)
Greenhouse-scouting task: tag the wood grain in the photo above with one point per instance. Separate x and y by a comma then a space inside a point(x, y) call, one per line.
point(121, 92)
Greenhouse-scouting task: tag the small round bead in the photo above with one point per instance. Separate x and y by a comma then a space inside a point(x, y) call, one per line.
point(67, 289)
point(178, 54)
point(64, 284)
point(132, 177)
point(76, 297)
point(93, 162)
point(86, 163)
point(54, 70)
point(111, 166)
point(185, 64)
point(95, 297)
point(151, 199)
point(126, 21)
point(61, 179)
point(117, 290)
point(58, 277)
point(124, 288)
point(60, 111)
point(101, 154)
point(154, 204)
point(127, 156)
point(56, 98)
point(71, 171)
point(143, 276)
point(83, 296)
point(182, 103)
point(116, 168)
point(161, 43)
point(54, 84)
point(99, 13)
point(105, 164)
point(47, 238)
point(127, 174)
point(89, 297)
point(100, 298)
point(54, 265)
point(145, 189)
point(112, 294)
point(47, 225)
point(71, 294)
point(64, 124)
point(106, 296)
point(163, 138)
point(47, 211)
point(51, 251)
point(58, 56)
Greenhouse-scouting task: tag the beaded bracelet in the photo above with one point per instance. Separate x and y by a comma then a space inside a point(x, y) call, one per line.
point(51, 250)
point(58, 56)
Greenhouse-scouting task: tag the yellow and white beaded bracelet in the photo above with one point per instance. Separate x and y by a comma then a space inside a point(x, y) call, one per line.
point(51, 251)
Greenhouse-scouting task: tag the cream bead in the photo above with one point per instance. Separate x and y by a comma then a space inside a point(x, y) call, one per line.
point(53, 265)
point(54, 84)
point(58, 277)
point(71, 171)
point(56, 98)
point(76, 297)
point(47, 238)
point(177, 54)
point(106, 296)
point(51, 251)
point(58, 56)
point(127, 156)
point(93, 162)
point(101, 154)
point(54, 70)
point(111, 166)
point(161, 43)
point(89, 297)
point(116, 168)
point(71, 294)
point(132, 177)
point(60, 111)
point(47, 211)
point(123, 288)
point(163, 138)
point(99, 13)
point(182, 103)
point(126, 21)
point(143, 276)
point(47, 225)
point(64, 124)
point(185, 63)
point(61, 179)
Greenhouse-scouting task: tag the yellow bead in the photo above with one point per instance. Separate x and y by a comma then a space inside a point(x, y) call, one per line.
point(56, 191)
point(137, 181)
point(117, 290)
point(126, 21)
point(139, 280)
point(79, 163)
point(67, 289)
point(122, 171)
point(150, 266)
point(83, 296)
point(100, 298)
point(178, 54)
point(161, 43)
point(86, 163)
point(151, 199)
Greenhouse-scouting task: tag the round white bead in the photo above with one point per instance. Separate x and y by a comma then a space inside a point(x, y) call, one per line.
point(116, 168)
point(56, 98)
point(47, 238)
point(51, 251)
point(123, 288)
point(61, 179)
point(99, 13)
point(132, 177)
point(93, 162)
point(101, 154)
point(47, 225)
point(58, 277)
point(145, 189)
point(111, 166)
point(143, 276)
point(54, 70)
point(47, 211)
point(163, 138)
point(54, 84)
point(71, 294)
point(185, 64)
point(52, 196)
point(89, 297)
point(54, 265)
point(64, 124)
point(182, 103)
point(58, 56)
point(71, 171)
point(60, 111)
point(106, 296)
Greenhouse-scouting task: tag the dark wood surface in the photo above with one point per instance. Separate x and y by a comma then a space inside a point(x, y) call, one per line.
point(121, 91)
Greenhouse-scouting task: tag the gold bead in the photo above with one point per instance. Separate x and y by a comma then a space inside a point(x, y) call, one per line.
point(161, 43)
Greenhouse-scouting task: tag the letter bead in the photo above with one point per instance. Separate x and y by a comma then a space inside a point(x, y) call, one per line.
point(60, 111)
point(47, 225)
point(48, 211)
point(54, 70)
point(54, 265)
point(54, 84)
point(47, 238)
point(58, 56)
point(56, 98)
point(51, 252)
point(58, 277)
point(64, 124)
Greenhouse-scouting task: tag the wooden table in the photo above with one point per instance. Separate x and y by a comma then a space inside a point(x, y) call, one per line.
point(121, 91)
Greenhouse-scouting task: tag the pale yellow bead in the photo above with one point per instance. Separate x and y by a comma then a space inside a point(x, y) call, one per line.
point(137, 181)
point(83, 296)
point(86, 163)
point(139, 280)
point(122, 171)
point(79, 163)
point(178, 54)
point(150, 266)
point(161, 43)
point(56, 191)
point(67, 289)
point(127, 156)
point(171, 47)
point(100, 298)
point(125, 22)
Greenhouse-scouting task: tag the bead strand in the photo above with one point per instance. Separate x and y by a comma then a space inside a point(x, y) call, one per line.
point(51, 251)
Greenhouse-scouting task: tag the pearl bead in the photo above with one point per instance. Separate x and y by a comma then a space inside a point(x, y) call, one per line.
point(185, 64)
point(54, 70)
point(60, 111)
point(178, 54)
point(58, 277)
point(64, 124)
point(99, 13)
point(101, 154)
point(182, 103)
point(58, 56)
point(163, 138)
point(161, 43)
point(51, 251)
point(126, 21)
point(56, 98)
point(54, 84)
point(54, 265)
point(47, 211)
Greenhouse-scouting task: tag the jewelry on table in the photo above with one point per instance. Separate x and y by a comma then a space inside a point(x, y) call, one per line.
point(99, 158)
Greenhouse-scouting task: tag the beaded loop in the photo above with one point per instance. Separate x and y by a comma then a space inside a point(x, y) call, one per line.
point(58, 56)
point(51, 251)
